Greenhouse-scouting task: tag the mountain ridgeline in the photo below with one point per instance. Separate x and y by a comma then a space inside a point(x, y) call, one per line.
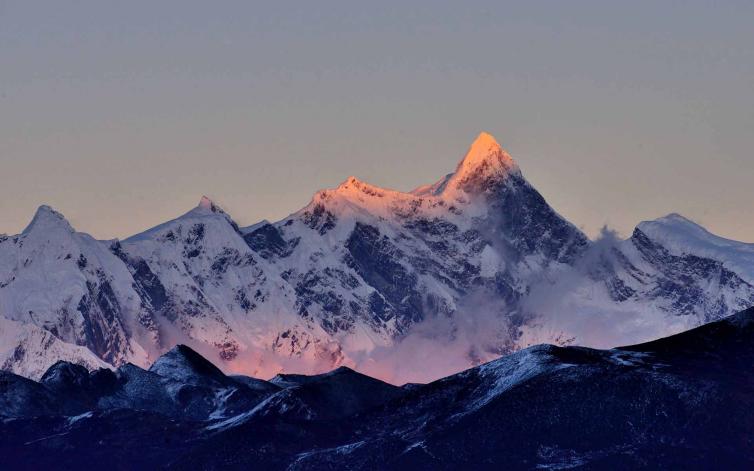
point(463, 270)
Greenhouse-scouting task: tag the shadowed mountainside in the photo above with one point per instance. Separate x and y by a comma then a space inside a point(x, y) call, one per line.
point(681, 401)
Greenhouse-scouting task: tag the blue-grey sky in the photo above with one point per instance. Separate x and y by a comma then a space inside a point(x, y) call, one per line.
point(122, 114)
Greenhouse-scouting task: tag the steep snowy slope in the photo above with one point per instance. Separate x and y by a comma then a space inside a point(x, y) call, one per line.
point(207, 285)
point(685, 269)
point(670, 275)
point(70, 285)
point(29, 350)
point(682, 237)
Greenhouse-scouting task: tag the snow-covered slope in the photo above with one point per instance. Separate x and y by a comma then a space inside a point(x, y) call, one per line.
point(29, 350)
point(70, 285)
point(208, 286)
point(669, 276)
point(690, 271)
point(681, 237)
point(400, 285)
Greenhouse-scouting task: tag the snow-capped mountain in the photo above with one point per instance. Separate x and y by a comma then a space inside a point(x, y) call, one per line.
point(71, 286)
point(669, 276)
point(207, 284)
point(693, 271)
point(402, 285)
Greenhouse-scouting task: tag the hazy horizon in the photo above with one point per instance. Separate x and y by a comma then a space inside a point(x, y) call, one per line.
point(121, 116)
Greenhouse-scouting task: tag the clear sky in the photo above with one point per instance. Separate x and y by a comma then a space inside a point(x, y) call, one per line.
point(122, 114)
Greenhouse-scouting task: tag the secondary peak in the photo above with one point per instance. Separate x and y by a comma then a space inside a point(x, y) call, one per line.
point(47, 218)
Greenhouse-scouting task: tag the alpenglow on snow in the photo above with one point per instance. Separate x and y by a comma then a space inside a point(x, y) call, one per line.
point(404, 286)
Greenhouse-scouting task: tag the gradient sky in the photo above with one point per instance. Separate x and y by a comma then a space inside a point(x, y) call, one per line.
point(122, 114)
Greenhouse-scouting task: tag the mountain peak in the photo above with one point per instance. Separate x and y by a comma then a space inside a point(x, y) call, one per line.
point(207, 204)
point(676, 218)
point(485, 160)
point(352, 183)
point(183, 363)
point(485, 140)
point(348, 182)
point(672, 222)
point(205, 209)
point(485, 152)
point(47, 219)
point(679, 232)
point(352, 187)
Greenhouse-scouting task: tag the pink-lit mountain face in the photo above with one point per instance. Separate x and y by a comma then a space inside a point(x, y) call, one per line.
point(405, 286)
